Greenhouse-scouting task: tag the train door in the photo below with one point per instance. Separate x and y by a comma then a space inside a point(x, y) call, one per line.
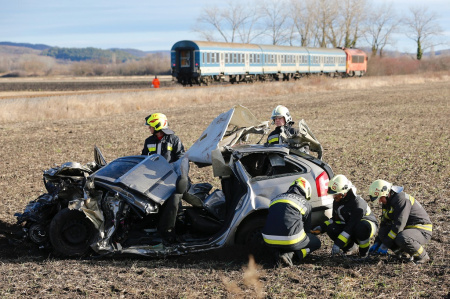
point(222, 62)
point(247, 61)
point(186, 60)
point(278, 63)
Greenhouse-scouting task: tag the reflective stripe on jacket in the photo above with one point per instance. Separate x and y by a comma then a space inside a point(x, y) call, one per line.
point(401, 212)
point(349, 211)
point(275, 138)
point(170, 147)
point(288, 219)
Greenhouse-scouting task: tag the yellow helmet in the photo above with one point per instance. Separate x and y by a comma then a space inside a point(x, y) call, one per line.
point(378, 189)
point(281, 111)
point(304, 185)
point(339, 185)
point(157, 121)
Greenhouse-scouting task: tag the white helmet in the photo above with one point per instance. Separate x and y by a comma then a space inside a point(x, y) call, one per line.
point(340, 185)
point(281, 111)
point(378, 189)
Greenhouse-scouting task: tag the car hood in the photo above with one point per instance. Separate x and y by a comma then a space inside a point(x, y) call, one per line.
point(225, 130)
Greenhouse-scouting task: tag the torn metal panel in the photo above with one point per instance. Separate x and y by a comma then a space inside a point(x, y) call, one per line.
point(239, 119)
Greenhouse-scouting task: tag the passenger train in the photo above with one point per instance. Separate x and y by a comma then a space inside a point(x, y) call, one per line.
point(200, 62)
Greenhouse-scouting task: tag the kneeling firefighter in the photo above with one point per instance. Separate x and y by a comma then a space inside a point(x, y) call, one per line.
point(288, 223)
point(405, 225)
point(352, 221)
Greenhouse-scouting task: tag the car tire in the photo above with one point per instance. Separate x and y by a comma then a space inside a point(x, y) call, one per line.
point(71, 233)
point(250, 232)
point(250, 236)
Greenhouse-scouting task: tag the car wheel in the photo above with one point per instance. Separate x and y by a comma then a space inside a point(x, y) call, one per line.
point(250, 233)
point(71, 233)
point(250, 236)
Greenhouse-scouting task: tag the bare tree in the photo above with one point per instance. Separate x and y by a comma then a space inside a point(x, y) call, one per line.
point(250, 28)
point(302, 21)
point(352, 13)
point(211, 17)
point(231, 22)
point(421, 26)
point(325, 13)
point(381, 24)
point(275, 18)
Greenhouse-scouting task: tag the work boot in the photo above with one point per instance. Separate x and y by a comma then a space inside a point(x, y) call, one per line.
point(422, 260)
point(286, 259)
point(363, 253)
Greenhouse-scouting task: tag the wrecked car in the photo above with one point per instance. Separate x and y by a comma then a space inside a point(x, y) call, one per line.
point(113, 208)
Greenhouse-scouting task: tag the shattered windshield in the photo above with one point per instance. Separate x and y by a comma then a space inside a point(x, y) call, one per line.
point(119, 167)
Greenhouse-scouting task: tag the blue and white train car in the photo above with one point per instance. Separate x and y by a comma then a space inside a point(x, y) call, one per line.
point(329, 61)
point(282, 62)
point(197, 62)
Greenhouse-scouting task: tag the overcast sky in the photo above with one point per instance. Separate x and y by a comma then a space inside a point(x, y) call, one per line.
point(145, 25)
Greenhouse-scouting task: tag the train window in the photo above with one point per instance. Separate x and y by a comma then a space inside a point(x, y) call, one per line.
point(357, 59)
point(242, 58)
point(251, 58)
point(221, 57)
point(185, 58)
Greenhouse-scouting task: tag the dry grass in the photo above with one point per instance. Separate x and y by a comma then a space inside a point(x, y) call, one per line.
point(110, 103)
point(394, 128)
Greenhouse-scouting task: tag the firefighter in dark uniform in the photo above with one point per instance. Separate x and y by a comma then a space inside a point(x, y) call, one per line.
point(352, 223)
point(288, 224)
point(284, 130)
point(164, 142)
point(405, 225)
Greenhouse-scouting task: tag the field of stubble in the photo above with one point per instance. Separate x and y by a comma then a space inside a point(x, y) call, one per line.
point(399, 133)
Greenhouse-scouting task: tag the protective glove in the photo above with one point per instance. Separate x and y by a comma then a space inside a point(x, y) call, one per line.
point(317, 230)
point(382, 250)
point(374, 247)
point(335, 249)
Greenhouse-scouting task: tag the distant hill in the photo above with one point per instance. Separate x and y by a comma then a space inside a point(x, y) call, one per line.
point(25, 45)
point(76, 54)
point(82, 54)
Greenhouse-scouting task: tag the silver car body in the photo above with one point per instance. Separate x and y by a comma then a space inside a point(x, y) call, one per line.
point(261, 172)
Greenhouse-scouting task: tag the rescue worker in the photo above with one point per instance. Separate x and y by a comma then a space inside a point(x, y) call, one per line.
point(352, 220)
point(405, 225)
point(155, 82)
point(163, 141)
point(284, 130)
point(288, 224)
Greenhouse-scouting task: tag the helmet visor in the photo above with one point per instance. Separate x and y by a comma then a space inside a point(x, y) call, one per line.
point(373, 198)
point(331, 191)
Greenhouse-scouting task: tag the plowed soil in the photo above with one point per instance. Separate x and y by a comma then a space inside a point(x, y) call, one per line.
point(399, 133)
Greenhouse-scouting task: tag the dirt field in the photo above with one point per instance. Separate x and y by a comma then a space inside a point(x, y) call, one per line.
point(399, 133)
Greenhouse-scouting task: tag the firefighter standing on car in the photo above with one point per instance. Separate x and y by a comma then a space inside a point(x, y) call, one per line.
point(352, 221)
point(405, 225)
point(284, 130)
point(164, 142)
point(288, 223)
